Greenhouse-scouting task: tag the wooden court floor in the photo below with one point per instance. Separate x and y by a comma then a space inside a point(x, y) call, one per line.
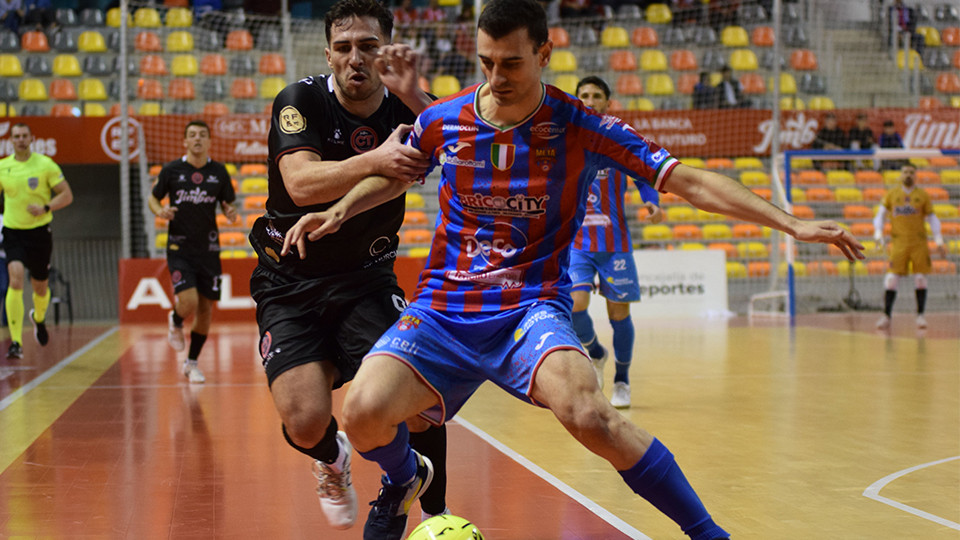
point(828, 430)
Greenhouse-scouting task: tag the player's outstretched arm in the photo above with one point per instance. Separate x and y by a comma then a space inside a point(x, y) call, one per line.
point(370, 192)
point(397, 65)
point(714, 192)
point(159, 210)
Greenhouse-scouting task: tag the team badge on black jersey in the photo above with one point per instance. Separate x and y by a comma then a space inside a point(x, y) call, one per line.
point(291, 121)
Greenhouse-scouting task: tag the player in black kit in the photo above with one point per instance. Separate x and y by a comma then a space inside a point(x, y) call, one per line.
point(321, 311)
point(196, 184)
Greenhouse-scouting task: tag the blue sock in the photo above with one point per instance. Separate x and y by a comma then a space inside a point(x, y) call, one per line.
point(583, 326)
point(658, 479)
point(623, 348)
point(396, 458)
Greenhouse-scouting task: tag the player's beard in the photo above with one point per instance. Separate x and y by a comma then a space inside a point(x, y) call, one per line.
point(358, 94)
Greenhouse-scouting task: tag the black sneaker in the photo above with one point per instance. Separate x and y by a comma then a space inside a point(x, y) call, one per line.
point(40, 330)
point(15, 350)
point(388, 517)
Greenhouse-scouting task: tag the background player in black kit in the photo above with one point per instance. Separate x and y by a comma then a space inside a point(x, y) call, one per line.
point(196, 184)
point(319, 315)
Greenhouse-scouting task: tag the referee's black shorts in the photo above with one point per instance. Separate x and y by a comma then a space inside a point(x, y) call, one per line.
point(334, 318)
point(32, 247)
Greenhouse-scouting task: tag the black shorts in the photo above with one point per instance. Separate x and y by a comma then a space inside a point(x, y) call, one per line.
point(201, 273)
point(334, 318)
point(32, 247)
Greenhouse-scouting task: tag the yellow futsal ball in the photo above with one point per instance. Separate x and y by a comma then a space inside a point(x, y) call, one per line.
point(446, 527)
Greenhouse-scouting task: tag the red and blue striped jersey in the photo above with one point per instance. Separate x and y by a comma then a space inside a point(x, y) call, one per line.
point(605, 227)
point(513, 198)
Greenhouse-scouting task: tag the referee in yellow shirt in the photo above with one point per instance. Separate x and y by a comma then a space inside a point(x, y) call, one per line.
point(33, 187)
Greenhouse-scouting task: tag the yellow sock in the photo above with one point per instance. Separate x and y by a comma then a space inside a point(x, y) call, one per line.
point(15, 314)
point(40, 304)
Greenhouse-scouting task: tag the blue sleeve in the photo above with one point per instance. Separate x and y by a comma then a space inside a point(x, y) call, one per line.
point(647, 193)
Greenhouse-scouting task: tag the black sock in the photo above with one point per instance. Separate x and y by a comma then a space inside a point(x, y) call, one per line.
point(196, 344)
point(177, 319)
point(921, 300)
point(888, 302)
point(327, 450)
point(433, 444)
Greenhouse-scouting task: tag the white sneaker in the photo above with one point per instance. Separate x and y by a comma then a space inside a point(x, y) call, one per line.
point(338, 499)
point(621, 395)
point(193, 373)
point(175, 334)
point(598, 364)
point(883, 323)
point(921, 321)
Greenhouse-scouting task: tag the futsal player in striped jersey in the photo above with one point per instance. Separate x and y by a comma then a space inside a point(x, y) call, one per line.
point(517, 158)
point(603, 247)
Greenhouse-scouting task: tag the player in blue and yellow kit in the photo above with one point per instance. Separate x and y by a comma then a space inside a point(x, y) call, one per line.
point(33, 188)
point(603, 247)
point(517, 160)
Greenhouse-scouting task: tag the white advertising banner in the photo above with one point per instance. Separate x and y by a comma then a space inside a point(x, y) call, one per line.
point(676, 284)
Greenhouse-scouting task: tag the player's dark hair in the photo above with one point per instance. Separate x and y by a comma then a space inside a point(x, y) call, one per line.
point(21, 124)
point(345, 9)
point(501, 17)
point(596, 81)
point(198, 123)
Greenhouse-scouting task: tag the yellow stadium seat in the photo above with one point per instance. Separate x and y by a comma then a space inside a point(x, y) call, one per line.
point(694, 162)
point(614, 37)
point(419, 252)
point(931, 36)
point(843, 268)
point(271, 86)
point(703, 215)
point(717, 231)
point(748, 162)
point(736, 270)
point(563, 61)
point(160, 241)
point(734, 36)
point(754, 178)
point(146, 17)
point(788, 84)
point(839, 177)
point(91, 90)
point(653, 60)
point(33, 90)
point(677, 214)
point(179, 41)
point(744, 60)
point(799, 269)
point(415, 200)
point(798, 195)
point(150, 108)
point(640, 104)
point(950, 176)
point(659, 84)
point(657, 232)
point(94, 109)
point(445, 85)
point(113, 17)
point(10, 66)
point(179, 17)
point(891, 176)
point(820, 103)
point(914, 59)
point(254, 184)
point(692, 246)
point(66, 65)
point(184, 65)
point(848, 194)
point(752, 249)
point(567, 82)
point(945, 211)
point(231, 169)
point(659, 14)
point(791, 103)
point(91, 41)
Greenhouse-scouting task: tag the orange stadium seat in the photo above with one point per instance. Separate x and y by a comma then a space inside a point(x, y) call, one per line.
point(224, 223)
point(645, 36)
point(62, 110)
point(255, 202)
point(272, 64)
point(939, 266)
point(753, 83)
point(951, 36)
point(683, 60)
point(232, 239)
point(719, 163)
point(811, 177)
point(629, 84)
point(762, 36)
point(416, 236)
point(930, 102)
point(765, 193)
point(243, 88)
point(415, 217)
point(803, 211)
point(868, 177)
point(948, 83)
point(937, 193)
point(239, 40)
point(874, 194)
point(213, 64)
point(758, 269)
point(927, 177)
point(149, 89)
point(181, 88)
point(153, 64)
point(249, 220)
point(63, 90)
point(215, 109)
point(803, 60)
point(746, 230)
point(725, 247)
point(34, 41)
point(862, 229)
point(623, 61)
point(115, 110)
point(253, 169)
point(147, 41)
point(950, 228)
point(857, 211)
point(559, 36)
point(942, 161)
point(821, 268)
point(686, 83)
point(820, 195)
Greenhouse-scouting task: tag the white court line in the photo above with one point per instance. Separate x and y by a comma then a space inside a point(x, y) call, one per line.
point(600, 511)
point(23, 390)
point(873, 492)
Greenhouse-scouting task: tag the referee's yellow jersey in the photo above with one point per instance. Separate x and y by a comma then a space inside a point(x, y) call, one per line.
point(24, 183)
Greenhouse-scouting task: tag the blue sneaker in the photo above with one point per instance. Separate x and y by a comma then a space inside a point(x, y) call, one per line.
point(388, 516)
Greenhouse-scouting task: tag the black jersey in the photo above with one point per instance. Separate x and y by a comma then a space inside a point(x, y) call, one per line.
point(194, 193)
point(308, 116)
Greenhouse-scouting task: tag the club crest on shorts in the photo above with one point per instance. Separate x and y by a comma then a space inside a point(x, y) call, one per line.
point(265, 342)
point(408, 322)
